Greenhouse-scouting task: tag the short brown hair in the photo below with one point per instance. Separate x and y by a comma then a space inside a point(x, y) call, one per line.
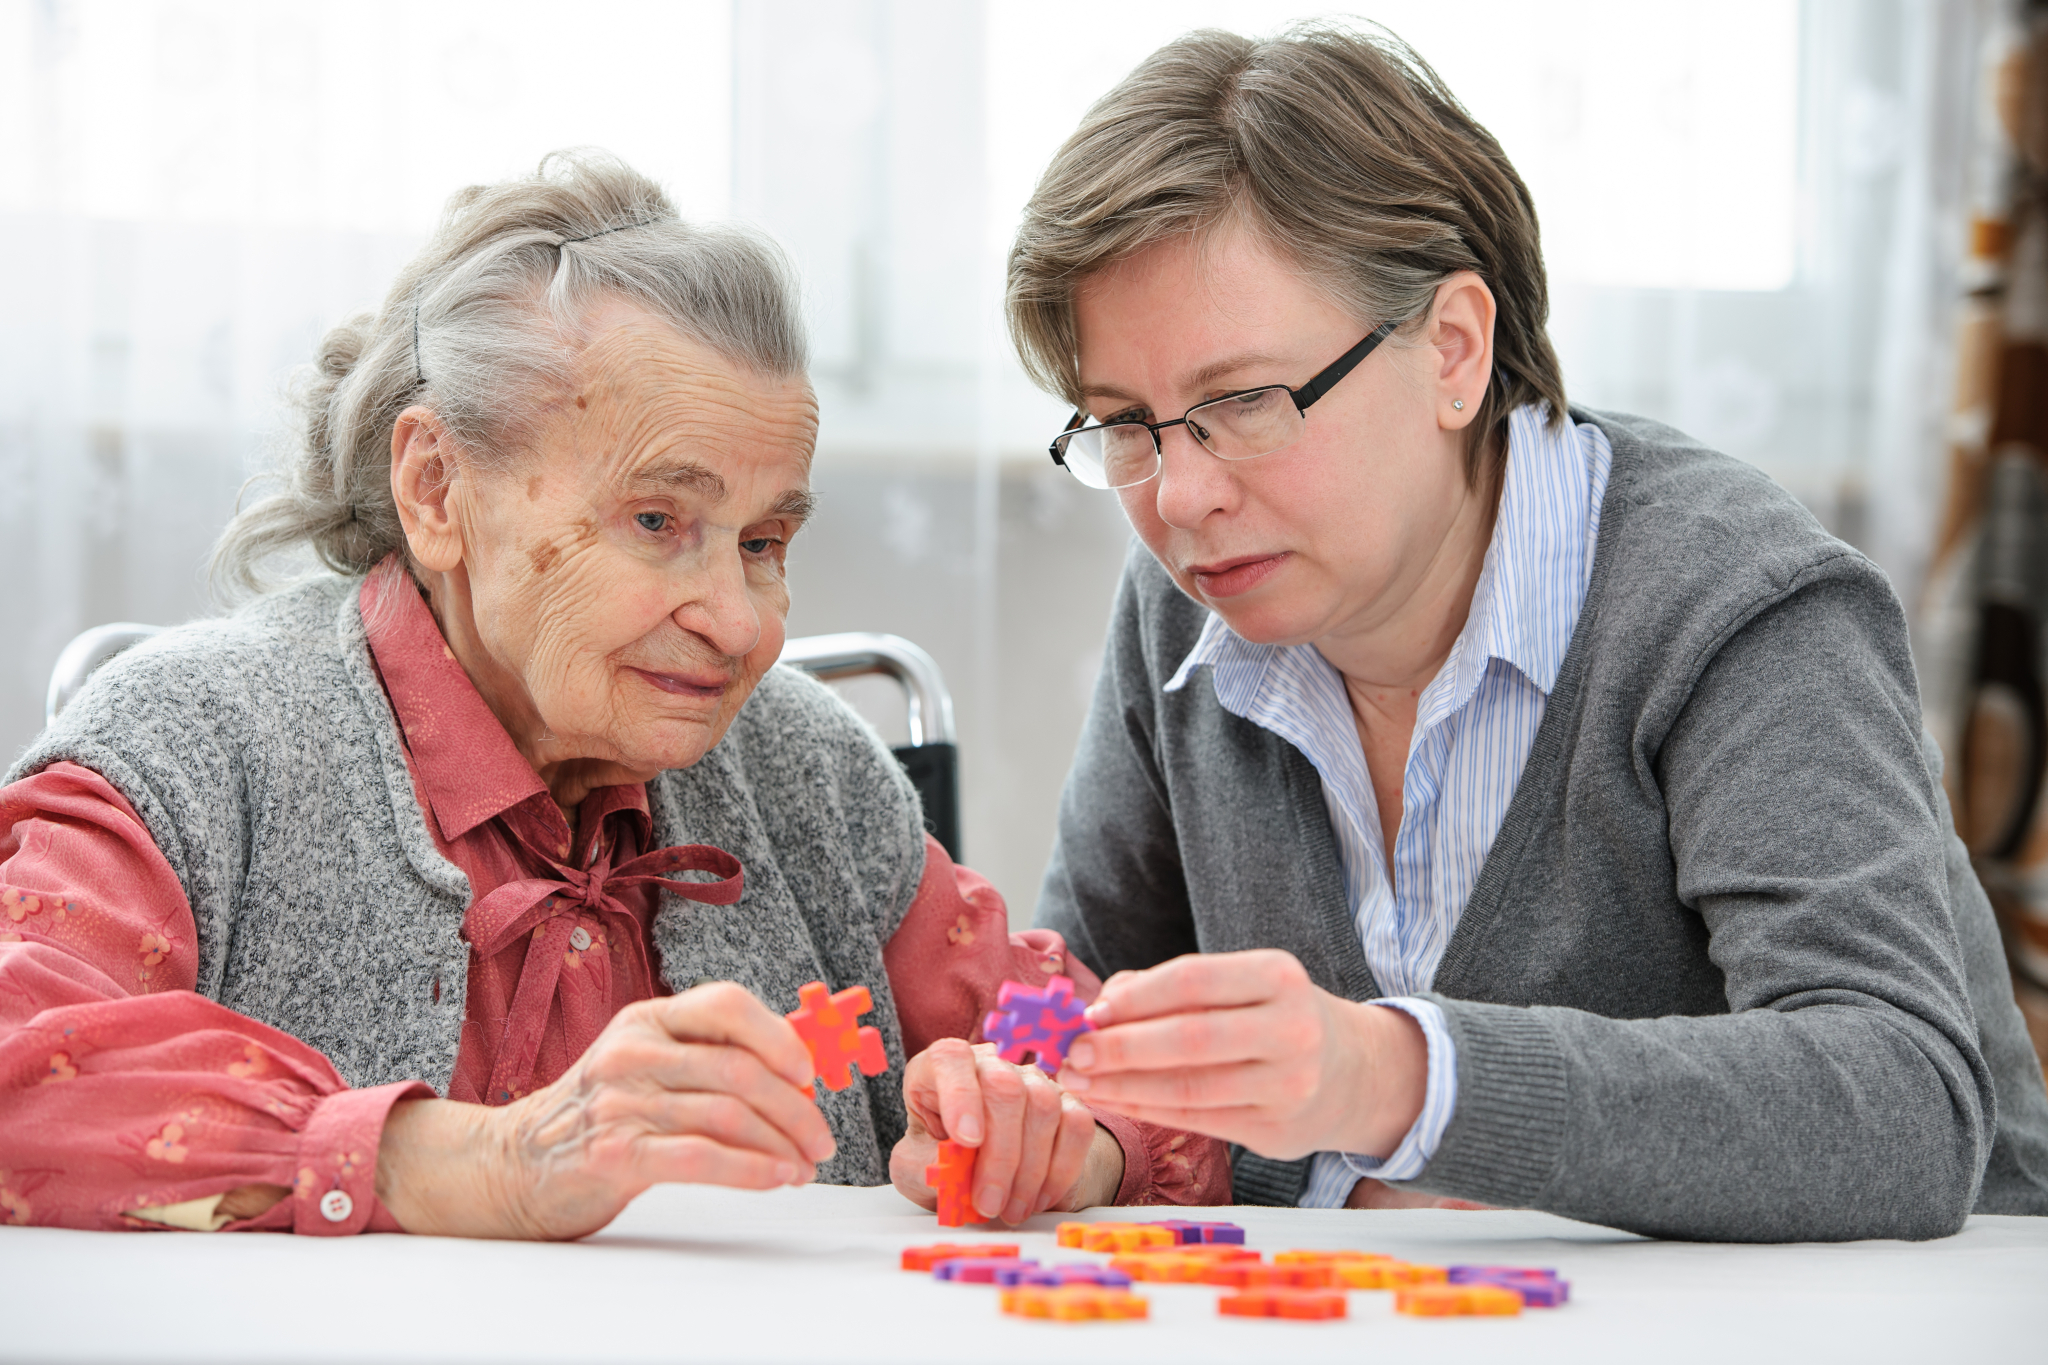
point(1342, 148)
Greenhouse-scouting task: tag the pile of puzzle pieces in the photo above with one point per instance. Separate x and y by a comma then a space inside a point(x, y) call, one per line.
point(1301, 1285)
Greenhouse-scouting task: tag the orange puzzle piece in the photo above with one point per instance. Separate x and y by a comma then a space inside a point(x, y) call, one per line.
point(1075, 1303)
point(924, 1258)
point(1457, 1300)
point(1282, 1303)
point(1387, 1274)
point(1183, 1264)
point(1114, 1236)
point(827, 1024)
point(952, 1178)
point(1244, 1275)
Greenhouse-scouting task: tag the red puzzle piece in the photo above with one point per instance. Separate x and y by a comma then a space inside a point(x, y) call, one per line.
point(951, 1178)
point(1281, 1303)
point(827, 1025)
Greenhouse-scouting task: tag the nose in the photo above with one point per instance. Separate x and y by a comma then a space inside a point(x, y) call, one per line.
point(720, 610)
point(1193, 484)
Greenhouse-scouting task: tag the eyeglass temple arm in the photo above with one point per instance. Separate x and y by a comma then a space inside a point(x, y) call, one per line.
point(1079, 419)
point(1341, 366)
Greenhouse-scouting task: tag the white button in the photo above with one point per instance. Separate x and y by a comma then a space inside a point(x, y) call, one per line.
point(336, 1206)
point(579, 938)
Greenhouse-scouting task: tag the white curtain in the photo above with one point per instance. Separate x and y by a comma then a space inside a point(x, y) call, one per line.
point(1751, 213)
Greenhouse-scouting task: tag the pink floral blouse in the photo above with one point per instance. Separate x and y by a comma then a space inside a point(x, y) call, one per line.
point(126, 1100)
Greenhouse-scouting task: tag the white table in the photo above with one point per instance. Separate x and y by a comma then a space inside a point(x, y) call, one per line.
point(694, 1274)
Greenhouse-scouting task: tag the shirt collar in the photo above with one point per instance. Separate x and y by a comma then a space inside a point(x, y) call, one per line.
point(466, 765)
point(1530, 588)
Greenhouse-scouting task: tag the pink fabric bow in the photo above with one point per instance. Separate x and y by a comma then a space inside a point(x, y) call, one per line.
point(550, 910)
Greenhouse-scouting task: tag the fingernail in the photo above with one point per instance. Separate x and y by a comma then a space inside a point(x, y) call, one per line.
point(989, 1201)
point(1016, 1212)
point(785, 1173)
point(1081, 1053)
point(1097, 1014)
point(1073, 1080)
point(970, 1131)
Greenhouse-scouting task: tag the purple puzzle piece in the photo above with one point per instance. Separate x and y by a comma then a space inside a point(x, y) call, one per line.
point(1187, 1233)
point(1054, 1276)
point(1035, 1022)
point(977, 1269)
point(1538, 1288)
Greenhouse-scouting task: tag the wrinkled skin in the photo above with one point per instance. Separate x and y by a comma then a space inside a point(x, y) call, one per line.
point(615, 589)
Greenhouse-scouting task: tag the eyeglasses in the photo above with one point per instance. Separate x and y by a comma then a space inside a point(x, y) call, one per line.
point(1237, 426)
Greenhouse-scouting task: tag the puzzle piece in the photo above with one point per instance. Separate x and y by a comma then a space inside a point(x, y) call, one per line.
point(977, 1269)
point(951, 1177)
point(1113, 1236)
point(1538, 1288)
point(1249, 1275)
point(1035, 1022)
point(924, 1258)
point(1282, 1303)
point(1075, 1303)
point(1190, 1234)
point(1385, 1273)
point(827, 1025)
point(1054, 1276)
point(1178, 1265)
point(1457, 1300)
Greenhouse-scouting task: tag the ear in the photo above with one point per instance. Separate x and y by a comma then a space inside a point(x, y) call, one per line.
point(1461, 330)
point(423, 484)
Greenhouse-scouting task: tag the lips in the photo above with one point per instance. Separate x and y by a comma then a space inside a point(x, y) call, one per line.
point(1229, 577)
point(691, 684)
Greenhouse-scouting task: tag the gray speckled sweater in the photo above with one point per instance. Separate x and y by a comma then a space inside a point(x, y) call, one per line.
point(263, 756)
point(1726, 971)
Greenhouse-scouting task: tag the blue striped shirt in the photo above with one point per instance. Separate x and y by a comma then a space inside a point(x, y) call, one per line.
point(1474, 725)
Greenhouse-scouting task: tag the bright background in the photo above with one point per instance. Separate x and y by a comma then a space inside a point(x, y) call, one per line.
point(1750, 213)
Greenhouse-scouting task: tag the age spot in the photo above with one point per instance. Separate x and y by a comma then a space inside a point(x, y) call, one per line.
point(533, 487)
point(545, 556)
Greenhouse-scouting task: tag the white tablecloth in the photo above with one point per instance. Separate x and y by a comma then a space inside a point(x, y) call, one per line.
point(694, 1274)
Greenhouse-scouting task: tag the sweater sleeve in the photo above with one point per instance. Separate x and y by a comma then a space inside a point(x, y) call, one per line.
point(130, 1101)
point(1844, 1094)
point(949, 958)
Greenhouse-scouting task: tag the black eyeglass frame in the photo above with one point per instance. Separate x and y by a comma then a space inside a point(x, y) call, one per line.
point(1304, 397)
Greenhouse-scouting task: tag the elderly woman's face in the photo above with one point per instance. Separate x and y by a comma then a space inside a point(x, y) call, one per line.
point(626, 576)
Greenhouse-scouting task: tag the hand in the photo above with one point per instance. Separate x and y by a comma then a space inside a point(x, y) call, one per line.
point(1244, 1047)
point(1038, 1147)
point(705, 1087)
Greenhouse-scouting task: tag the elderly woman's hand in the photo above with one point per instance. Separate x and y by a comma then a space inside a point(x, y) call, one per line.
point(705, 1087)
point(1038, 1147)
point(1245, 1047)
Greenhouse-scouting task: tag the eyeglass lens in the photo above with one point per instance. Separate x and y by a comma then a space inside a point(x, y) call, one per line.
point(1240, 427)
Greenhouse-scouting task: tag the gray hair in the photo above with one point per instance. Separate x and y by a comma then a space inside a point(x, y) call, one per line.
point(482, 325)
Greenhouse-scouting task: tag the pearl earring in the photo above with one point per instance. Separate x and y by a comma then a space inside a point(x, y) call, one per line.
point(1458, 403)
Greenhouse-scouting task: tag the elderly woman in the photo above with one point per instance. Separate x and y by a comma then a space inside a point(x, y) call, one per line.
point(505, 805)
point(1515, 802)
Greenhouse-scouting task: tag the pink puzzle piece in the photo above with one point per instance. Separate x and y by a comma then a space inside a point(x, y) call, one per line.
point(827, 1024)
point(1038, 1023)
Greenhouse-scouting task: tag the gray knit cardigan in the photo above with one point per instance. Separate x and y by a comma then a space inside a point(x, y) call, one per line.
point(1726, 971)
point(262, 753)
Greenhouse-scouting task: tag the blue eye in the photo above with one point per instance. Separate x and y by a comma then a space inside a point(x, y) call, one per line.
point(652, 521)
point(758, 546)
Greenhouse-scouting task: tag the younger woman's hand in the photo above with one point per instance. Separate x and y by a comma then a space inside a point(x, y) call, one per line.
point(1038, 1147)
point(1245, 1047)
point(706, 1087)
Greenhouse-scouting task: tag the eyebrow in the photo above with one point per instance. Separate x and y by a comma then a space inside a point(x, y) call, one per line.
point(1200, 379)
point(685, 474)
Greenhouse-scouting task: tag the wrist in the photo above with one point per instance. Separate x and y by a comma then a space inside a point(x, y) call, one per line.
point(1102, 1176)
point(434, 1170)
point(1393, 1060)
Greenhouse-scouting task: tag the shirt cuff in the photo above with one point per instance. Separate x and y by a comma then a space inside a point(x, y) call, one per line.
point(1439, 1098)
point(335, 1191)
point(1137, 1156)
